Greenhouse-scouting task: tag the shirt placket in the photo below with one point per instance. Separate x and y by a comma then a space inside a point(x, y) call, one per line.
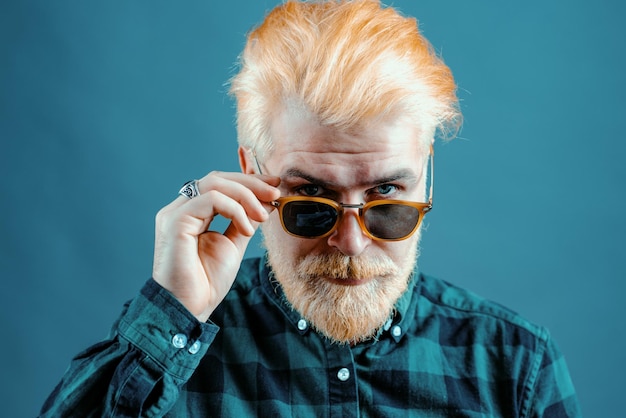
point(342, 382)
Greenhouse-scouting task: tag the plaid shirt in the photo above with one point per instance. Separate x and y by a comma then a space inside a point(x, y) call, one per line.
point(445, 353)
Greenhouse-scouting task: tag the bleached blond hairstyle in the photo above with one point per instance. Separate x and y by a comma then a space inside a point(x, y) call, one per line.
point(345, 62)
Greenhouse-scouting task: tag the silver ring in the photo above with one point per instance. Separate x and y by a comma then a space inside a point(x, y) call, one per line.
point(190, 189)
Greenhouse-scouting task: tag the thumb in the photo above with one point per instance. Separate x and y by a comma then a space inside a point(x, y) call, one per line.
point(240, 240)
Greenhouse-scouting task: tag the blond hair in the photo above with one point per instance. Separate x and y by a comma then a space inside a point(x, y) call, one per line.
point(345, 62)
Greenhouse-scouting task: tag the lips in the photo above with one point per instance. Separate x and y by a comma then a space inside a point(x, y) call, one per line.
point(349, 281)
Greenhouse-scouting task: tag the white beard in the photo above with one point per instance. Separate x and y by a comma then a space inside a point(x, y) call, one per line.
point(343, 313)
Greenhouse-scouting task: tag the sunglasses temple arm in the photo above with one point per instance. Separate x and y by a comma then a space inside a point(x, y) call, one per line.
point(432, 175)
point(274, 203)
point(256, 161)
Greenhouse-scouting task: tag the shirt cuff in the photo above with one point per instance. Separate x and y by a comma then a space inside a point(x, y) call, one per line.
point(161, 327)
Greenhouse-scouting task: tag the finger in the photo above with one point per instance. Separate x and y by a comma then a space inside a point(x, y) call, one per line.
point(197, 214)
point(236, 185)
point(263, 186)
point(239, 239)
point(229, 198)
point(252, 193)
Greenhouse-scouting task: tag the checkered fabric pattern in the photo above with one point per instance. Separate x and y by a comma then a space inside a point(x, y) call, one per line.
point(445, 353)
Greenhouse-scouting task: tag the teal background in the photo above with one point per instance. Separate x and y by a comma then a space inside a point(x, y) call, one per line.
point(106, 108)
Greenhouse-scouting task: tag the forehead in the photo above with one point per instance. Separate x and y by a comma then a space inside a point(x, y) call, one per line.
point(380, 146)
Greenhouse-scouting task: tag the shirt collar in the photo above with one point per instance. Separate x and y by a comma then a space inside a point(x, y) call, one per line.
point(274, 292)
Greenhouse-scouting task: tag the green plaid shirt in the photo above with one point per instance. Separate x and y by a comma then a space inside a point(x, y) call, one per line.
point(446, 353)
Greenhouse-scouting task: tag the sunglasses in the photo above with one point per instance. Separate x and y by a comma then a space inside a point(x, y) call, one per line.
point(385, 220)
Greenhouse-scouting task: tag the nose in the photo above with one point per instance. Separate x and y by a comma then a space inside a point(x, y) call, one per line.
point(349, 238)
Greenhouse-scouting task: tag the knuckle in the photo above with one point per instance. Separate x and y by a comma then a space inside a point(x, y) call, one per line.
point(212, 175)
point(212, 194)
point(160, 215)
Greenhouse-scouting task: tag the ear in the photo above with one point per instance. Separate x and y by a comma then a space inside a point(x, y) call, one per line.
point(245, 161)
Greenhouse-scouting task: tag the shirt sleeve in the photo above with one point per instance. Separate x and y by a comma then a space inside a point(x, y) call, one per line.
point(154, 348)
point(550, 391)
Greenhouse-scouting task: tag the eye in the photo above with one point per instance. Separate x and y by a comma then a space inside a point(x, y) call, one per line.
point(385, 189)
point(310, 190)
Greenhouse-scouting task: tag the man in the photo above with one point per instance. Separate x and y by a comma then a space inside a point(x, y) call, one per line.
point(338, 107)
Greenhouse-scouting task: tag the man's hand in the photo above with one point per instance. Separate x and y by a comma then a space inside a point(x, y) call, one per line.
point(199, 266)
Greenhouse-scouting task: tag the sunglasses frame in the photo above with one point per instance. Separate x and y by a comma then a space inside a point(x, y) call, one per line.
point(282, 202)
point(422, 207)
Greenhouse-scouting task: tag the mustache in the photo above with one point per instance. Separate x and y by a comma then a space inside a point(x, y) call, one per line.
point(341, 267)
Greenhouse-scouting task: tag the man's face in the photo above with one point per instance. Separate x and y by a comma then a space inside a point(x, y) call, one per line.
point(345, 284)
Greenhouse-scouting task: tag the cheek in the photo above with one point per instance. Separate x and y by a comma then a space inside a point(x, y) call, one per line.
point(401, 252)
point(272, 231)
point(272, 224)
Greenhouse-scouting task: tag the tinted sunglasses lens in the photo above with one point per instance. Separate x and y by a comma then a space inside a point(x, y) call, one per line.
point(308, 219)
point(391, 221)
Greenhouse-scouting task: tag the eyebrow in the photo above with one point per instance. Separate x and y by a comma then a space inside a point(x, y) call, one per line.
point(405, 175)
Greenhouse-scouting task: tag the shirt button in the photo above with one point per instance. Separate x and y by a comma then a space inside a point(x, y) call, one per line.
point(396, 331)
point(302, 325)
point(179, 340)
point(195, 347)
point(343, 374)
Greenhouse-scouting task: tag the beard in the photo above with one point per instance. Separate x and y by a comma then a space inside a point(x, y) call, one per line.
point(344, 313)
